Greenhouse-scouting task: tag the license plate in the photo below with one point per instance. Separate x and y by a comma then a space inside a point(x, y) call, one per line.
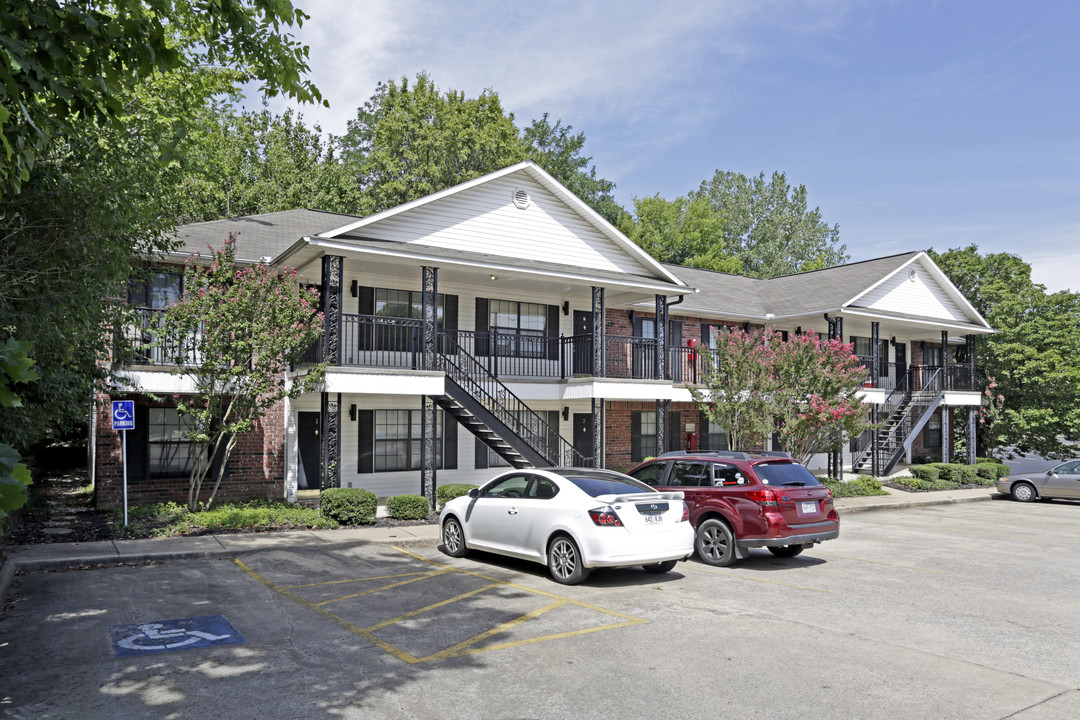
point(653, 518)
point(808, 508)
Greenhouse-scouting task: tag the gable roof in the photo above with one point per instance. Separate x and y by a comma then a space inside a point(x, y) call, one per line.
point(872, 288)
point(433, 221)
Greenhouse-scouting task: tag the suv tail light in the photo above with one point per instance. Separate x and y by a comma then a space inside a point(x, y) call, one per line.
point(605, 517)
point(764, 498)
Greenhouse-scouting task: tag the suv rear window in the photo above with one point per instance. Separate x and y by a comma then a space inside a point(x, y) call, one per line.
point(784, 474)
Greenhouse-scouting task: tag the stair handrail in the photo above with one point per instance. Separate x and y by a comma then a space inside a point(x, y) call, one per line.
point(496, 397)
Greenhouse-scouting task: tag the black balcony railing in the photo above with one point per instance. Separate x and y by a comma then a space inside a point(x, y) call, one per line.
point(142, 341)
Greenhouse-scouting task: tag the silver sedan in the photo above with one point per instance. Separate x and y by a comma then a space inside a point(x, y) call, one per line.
point(1062, 481)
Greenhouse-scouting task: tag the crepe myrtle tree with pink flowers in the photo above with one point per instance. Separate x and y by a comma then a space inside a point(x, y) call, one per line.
point(237, 332)
point(803, 388)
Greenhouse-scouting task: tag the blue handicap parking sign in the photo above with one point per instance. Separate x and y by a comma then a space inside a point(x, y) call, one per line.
point(168, 635)
point(123, 415)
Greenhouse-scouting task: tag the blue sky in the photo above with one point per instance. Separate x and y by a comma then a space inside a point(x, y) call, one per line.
point(912, 124)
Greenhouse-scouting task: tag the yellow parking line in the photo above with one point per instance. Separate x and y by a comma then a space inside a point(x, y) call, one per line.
point(745, 577)
point(381, 588)
point(429, 608)
point(878, 562)
point(456, 650)
point(339, 582)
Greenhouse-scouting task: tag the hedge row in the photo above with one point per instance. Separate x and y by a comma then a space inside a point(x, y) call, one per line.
point(355, 506)
point(944, 475)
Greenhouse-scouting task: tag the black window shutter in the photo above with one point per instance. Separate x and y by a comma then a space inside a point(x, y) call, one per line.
point(676, 334)
point(138, 292)
point(635, 435)
point(449, 448)
point(675, 436)
point(784, 335)
point(553, 332)
point(481, 455)
point(482, 319)
point(366, 306)
point(450, 323)
point(138, 442)
point(703, 432)
point(705, 334)
point(365, 421)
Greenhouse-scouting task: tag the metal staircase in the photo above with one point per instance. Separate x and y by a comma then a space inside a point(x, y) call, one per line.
point(878, 450)
point(489, 410)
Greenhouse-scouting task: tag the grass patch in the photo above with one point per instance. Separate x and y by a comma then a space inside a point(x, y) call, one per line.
point(173, 519)
point(860, 486)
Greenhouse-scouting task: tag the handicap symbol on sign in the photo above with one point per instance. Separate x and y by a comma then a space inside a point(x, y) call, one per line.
point(167, 635)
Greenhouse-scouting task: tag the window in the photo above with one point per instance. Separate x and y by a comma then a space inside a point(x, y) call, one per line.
point(863, 348)
point(651, 474)
point(713, 436)
point(932, 355)
point(508, 487)
point(405, 304)
point(488, 458)
point(395, 440)
point(642, 434)
point(158, 290)
point(690, 474)
point(522, 327)
point(932, 433)
point(169, 453)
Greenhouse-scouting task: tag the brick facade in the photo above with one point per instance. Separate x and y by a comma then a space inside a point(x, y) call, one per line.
point(256, 469)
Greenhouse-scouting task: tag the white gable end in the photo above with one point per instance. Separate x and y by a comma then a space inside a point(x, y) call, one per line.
point(914, 291)
point(485, 219)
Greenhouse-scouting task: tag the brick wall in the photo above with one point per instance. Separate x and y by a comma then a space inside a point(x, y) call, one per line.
point(256, 466)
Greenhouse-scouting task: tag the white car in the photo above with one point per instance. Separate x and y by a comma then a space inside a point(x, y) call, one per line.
point(572, 520)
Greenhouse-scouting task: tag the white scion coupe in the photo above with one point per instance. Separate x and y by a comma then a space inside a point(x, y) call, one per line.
point(572, 520)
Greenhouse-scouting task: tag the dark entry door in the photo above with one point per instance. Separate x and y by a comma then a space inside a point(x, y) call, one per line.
point(583, 435)
point(643, 357)
point(310, 444)
point(901, 363)
point(583, 343)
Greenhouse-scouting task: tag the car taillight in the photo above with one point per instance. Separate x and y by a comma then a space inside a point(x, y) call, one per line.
point(685, 513)
point(605, 517)
point(764, 498)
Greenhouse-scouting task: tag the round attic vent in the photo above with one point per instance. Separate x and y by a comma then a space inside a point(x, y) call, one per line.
point(912, 274)
point(521, 199)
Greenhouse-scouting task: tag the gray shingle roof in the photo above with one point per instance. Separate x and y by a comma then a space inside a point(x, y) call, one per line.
point(259, 236)
point(801, 294)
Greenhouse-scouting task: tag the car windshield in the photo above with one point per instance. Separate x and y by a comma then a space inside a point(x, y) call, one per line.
point(596, 487)
point(785, 473)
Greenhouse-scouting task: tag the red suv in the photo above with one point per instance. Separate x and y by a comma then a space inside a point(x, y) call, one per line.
point(740, 500)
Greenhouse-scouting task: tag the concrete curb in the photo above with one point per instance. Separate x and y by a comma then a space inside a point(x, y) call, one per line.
point(905, 503)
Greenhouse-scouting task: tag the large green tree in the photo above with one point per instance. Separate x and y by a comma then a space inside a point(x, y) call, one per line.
point(1033, 357)
point(768, 227)
point(410, 139)
point(66, 64)
point(244, 163)
point(684, 231)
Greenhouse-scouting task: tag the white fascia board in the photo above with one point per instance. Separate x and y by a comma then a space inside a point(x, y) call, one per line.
point(545, 179)
point(365, 383)
point(157, 382)
point(439, 261)
point(967, 329)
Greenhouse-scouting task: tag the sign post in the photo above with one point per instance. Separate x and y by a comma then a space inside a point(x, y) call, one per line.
point(123, 419)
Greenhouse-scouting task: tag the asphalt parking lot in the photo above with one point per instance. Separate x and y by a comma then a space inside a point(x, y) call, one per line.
point(963, 611)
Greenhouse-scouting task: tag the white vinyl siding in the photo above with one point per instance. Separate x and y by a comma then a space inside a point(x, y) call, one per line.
point(484, 219)
point(924, 296)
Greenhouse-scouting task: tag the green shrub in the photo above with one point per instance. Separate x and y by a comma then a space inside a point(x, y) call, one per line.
point(407, 507)
point(926, 473)
point(949, 472)
point(859, 486)
point(967, 475)
point(446, 493)
point(170, 519)
point(349, 506)
point(914, 483)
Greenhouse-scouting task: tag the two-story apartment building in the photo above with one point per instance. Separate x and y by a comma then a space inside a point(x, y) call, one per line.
point(504, 322)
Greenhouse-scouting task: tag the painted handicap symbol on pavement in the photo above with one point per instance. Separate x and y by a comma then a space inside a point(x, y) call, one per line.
point(169, 635)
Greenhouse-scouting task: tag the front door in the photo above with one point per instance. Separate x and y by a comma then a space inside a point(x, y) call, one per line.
point(310, 445)
point(901, 362)
point(583, 343)
point(583, 436)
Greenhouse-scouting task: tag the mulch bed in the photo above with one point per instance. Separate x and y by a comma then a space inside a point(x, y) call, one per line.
point(61, 511)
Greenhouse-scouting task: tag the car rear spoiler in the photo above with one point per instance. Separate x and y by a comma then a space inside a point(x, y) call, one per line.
point(633, 497)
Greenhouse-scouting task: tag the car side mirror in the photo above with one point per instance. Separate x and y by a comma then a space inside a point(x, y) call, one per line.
point(474, 493)
point(1051, 473)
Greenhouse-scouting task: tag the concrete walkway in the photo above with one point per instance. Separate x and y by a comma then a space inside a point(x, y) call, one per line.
point(54, 556)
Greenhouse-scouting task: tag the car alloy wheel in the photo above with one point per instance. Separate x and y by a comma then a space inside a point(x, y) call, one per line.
point(454, 538)
point(715, 543)
point(564, 561)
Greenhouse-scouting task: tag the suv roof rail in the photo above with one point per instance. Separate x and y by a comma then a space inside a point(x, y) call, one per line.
point(730, 454)
point(768, 453)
